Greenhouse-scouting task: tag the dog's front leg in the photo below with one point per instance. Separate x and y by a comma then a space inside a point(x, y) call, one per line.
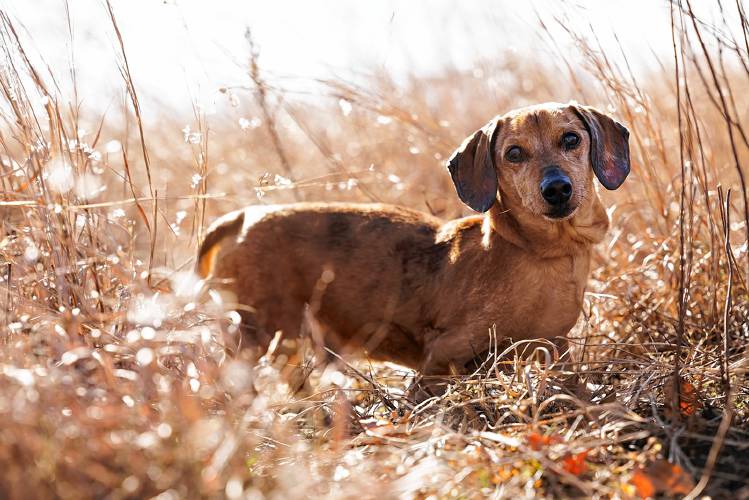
point(446, 354)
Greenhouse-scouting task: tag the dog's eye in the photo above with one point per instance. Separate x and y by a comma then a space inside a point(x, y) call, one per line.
point(570, 140)
point(514, 154)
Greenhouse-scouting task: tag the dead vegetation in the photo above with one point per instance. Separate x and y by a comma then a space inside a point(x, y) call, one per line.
point(117, 382)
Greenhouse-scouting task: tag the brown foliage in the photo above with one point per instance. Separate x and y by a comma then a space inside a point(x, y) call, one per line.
point(117, 379)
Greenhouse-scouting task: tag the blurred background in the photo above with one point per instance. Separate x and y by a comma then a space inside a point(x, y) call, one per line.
point(185, 50)
point(250, 102)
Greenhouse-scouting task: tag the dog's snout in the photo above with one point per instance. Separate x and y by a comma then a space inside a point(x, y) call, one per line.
point(556, 187)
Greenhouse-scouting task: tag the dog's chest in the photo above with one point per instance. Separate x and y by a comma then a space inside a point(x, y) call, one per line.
point(542, 298)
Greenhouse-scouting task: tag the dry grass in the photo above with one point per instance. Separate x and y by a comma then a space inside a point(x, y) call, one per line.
point(118, 382)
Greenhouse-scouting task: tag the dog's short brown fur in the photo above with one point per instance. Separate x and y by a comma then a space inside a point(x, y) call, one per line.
point(407, 287)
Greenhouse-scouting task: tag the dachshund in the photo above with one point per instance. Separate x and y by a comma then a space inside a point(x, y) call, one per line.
point(400, 285)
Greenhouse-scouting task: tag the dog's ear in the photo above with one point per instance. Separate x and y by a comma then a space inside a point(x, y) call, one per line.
point(473, 170)
point(609, 146)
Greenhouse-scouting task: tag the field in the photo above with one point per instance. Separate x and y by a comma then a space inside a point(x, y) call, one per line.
point(120, 375)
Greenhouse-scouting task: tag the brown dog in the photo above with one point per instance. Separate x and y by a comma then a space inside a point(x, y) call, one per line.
point(403, 286)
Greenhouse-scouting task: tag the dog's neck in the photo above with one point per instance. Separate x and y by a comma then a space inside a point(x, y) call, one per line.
point(547, 239)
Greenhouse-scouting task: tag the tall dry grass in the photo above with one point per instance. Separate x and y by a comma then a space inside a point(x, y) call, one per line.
point(119, 380)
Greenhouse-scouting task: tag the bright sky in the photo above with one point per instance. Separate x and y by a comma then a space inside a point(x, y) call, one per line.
point(185, 49)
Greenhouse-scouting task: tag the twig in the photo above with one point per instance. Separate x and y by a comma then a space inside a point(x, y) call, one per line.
point(728, 411)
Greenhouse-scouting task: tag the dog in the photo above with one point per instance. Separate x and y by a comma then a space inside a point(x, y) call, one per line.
point(404, 286)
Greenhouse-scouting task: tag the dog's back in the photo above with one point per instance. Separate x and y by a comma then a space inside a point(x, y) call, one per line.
point(336, 258)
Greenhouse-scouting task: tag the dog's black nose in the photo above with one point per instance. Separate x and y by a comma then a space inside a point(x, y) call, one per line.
point(556, 188)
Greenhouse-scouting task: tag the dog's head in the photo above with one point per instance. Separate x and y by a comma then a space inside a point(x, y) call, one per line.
point(541, 159)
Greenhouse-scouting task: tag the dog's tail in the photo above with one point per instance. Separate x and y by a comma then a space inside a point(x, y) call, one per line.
point(228, 225)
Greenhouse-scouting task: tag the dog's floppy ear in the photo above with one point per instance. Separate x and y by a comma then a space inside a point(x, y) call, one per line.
point(609, 146)
point(472, 168)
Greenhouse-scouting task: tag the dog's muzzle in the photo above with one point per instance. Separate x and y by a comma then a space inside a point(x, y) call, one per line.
point(556, 189)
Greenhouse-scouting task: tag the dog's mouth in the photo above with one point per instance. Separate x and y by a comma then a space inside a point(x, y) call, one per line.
point(561, 212)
